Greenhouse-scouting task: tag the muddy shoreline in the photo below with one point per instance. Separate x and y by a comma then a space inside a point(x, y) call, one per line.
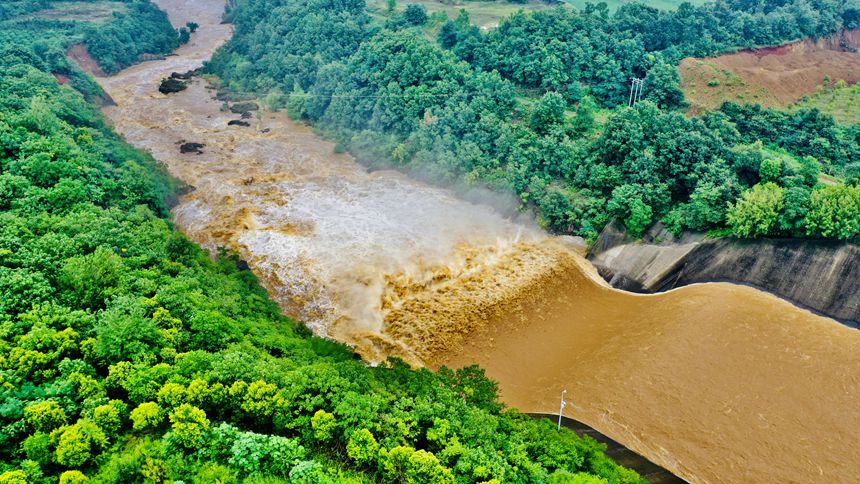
point(822, 276)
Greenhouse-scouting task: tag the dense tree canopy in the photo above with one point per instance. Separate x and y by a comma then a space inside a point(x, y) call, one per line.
point(142, 29)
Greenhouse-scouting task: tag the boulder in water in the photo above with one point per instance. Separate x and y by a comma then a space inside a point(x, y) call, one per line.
point(184, 75)
point(171, 85)
point(186, 148)
point(244, 107)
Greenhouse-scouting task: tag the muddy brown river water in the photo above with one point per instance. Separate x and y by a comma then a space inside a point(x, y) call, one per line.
point(716, 382)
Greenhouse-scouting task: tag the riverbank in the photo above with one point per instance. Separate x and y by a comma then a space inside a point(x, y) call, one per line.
point(653, 473)
point(821, 275)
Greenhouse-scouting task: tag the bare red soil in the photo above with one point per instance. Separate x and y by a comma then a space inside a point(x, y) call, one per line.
point(774, 76)
point(80, 54)
point(61, 79)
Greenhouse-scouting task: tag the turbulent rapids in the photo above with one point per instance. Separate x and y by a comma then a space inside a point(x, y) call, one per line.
point(716, 382)
point(382, 262)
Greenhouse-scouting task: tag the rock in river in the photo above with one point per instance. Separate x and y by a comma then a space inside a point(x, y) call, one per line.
point(171, 85)
point(191, 148)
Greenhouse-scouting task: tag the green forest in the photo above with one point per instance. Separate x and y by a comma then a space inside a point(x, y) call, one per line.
point(538, 107)
point(128, 355)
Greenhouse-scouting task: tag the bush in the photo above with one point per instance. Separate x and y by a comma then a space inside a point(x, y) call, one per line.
point(757, 211)
point(415, 14)
point(45, 416)
point(73, 477)
point(189, 425)
point(147, 416)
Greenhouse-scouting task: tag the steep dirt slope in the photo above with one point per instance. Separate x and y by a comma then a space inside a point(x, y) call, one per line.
point(771, 76)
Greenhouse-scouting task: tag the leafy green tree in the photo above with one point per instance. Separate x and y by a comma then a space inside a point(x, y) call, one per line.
point(548, 113)
point(770, 170)
point(406, 465)
point(37, 448)
point(415, 14)
point(189, 424)
point(124, 331)
point(324, 425)
point(111, 416)
point(79, 443)
point(757, 211)
point(793, 216)
point(93, 278)
point(834, 212)
point(14, 477)
point(45, 416)
point(448, 35)
point(663, 86)
point(147, 416)
point(627, 204)
point(809, 170)
point(73, 477)
point(362, 447)
point(708, 205)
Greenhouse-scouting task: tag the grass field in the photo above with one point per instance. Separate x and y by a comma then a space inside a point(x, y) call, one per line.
point(841, 101)
point(483, 14)
point(95, 12)
point(487, 14)
point(614, 4)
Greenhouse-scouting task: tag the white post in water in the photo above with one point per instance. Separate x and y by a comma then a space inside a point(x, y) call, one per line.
point(561, 408)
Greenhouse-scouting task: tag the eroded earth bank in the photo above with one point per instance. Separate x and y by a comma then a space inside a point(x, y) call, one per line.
point(717, 382)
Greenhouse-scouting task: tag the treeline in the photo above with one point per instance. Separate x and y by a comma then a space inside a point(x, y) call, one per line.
point(128, 355)
point(14, 8)
point(558, 48)
point(139, 27)
point(395, 98)
point(142, 29)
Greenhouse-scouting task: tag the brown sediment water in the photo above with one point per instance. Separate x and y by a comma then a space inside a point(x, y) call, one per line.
point(719, 383)
point(715, 382)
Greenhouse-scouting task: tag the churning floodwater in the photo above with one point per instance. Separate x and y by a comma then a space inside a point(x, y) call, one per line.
point(718, 383)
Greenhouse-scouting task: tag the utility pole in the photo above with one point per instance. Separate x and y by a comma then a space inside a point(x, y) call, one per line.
point(563, 403)
point(632, 88)
point(635, 91)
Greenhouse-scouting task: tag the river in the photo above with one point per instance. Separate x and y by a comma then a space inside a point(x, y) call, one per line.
point(716, 382)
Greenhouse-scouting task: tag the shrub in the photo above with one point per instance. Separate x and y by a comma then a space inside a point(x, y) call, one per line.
point(73, 477)
point(147, 416)
point(189, 424)
point(45, 416)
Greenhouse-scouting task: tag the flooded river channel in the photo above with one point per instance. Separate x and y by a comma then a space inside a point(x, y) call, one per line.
point(716, 382)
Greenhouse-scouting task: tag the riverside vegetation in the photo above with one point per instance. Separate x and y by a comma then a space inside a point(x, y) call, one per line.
point(128, 355)
point(537, 107)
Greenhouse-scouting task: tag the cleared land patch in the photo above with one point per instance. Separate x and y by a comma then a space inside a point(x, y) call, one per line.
point(772, 76)
point(614, 4)
point(485, 15)
point(95, 12)
point(488, 14)
point(840, 100)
